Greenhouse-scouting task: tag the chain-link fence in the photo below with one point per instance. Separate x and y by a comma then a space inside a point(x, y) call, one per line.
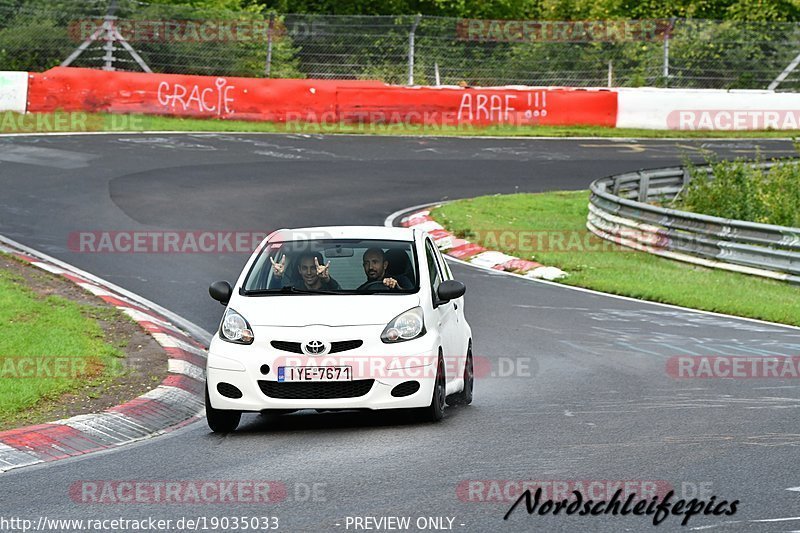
point(127, 35)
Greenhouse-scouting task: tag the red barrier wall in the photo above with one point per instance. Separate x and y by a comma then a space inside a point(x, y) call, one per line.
point(478, 106)
point(73, 89)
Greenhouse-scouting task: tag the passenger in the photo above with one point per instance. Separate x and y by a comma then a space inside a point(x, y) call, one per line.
point(375, 265)
point(313, 275)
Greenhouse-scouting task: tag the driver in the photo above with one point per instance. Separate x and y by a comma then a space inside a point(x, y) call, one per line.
point(375, 265)
point(313, 274)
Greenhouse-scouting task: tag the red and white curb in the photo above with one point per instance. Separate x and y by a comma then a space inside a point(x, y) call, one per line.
point(475, 254)
point(177, 401)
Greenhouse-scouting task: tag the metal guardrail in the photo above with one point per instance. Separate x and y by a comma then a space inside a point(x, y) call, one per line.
point(622, 209)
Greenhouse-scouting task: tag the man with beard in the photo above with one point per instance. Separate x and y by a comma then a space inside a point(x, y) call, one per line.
point(375, 265)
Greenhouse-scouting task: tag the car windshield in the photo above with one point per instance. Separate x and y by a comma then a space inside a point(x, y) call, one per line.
point(334, 266)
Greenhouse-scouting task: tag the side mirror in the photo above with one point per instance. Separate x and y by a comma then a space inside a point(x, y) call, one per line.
point(221, 291)
point(450, 290)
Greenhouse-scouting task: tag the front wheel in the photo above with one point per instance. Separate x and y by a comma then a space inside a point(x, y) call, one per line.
point(221, 420)
point(435, 411)
point(465, 396)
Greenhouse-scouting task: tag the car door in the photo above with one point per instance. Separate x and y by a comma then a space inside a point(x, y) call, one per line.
point(461, 335)
point(445, 313)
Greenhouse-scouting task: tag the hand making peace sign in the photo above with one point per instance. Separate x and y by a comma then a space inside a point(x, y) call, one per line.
point(322, 270)
point(279, 267)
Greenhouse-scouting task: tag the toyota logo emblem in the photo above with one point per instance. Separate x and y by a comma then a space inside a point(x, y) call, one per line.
point(315, 348)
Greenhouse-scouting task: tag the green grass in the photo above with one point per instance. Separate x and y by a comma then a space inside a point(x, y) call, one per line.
point(48, 346)
point(67, 122)
point(561, 239)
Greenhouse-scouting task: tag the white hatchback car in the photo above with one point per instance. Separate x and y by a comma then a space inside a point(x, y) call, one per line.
point(350, 317)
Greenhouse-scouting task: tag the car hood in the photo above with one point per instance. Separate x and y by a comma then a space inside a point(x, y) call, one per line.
point(298, 310)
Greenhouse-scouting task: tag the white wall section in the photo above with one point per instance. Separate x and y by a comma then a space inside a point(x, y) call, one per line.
point(707, 109)
point(13, 91)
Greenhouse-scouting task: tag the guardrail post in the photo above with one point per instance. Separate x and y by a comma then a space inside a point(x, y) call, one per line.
point(686, 177)
point(268, 65)
point(644, 186)
point(411, 49)
point(665, 63)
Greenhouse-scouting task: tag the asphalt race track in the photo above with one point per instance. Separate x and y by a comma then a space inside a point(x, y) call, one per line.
point(593, 400)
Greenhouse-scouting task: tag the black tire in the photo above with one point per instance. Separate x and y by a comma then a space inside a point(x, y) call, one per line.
point(465, 396)
point(435, 411)
point(221, 420)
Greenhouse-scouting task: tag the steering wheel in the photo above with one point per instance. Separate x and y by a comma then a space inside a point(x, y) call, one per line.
point(373, 285)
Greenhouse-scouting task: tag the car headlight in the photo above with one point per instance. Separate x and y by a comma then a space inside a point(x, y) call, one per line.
point(235, 328)
point(404, 327)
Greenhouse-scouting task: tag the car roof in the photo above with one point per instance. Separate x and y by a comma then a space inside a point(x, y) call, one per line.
point(344, 232)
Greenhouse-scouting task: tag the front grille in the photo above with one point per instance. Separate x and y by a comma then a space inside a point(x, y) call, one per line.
point(343, 346)
point(286, 346)
point(336, 347)
point(303, 390)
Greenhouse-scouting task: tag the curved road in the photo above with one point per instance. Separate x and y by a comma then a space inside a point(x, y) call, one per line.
point(589, 399)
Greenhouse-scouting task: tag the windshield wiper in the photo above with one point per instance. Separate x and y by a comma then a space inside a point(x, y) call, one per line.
point(283, 290)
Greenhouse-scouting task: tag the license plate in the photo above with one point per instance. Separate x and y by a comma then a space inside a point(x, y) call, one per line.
point(315, 373)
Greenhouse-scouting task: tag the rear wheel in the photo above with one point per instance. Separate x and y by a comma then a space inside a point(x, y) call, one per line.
point(435, 411)
point(221, 420)
point(465, 396)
